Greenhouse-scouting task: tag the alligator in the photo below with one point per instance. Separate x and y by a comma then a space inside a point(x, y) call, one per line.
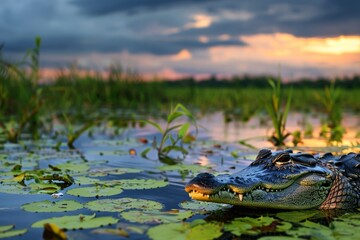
point(285, 180)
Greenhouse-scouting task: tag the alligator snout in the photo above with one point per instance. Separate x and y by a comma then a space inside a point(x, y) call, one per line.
point(204, 182)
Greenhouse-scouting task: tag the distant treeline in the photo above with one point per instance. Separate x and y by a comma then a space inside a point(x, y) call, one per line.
point(262, 82)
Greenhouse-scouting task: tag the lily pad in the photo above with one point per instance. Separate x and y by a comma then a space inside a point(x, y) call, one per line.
point(77, 221)
point(6, 231)
point(203, 206)
point(81, 180)
point(74, 167)
point(184, 167)
point(48, 206)
point(138, 183)
point(122, 204)
point(296, 216)
point(254, 226)
point(32, 188)
point(317, 231)
point(156, 216)
point(95, 191)
point(199, 230)
point(101, 172)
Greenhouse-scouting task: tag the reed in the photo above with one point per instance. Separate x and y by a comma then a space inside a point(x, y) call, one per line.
point(278, 110)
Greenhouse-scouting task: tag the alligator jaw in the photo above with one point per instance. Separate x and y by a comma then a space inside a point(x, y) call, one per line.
point(267, 197)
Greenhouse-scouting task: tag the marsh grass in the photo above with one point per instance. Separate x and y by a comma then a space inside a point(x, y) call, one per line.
point(25, 102)
point(278, 110)
point(332, 128)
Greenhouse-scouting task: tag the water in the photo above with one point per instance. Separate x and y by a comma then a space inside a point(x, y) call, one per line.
point(214, 147)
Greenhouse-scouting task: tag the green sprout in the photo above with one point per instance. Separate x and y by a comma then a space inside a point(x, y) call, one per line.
point(278, 113)
point(173, 134)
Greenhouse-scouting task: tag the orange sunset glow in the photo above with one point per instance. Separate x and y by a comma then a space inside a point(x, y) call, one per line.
point(310, 40)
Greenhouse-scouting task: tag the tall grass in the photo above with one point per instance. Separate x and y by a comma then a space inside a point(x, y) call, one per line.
point(24, 102)
point(278, 109)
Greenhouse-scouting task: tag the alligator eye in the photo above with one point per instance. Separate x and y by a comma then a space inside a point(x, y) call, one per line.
point(264, 153)
point(282, 158)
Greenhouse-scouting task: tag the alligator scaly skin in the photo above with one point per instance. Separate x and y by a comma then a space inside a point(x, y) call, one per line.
point(286, 180)
point(345, 192)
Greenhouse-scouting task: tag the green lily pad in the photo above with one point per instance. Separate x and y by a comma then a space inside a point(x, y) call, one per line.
point(74, 167)
point(32, 188)
point(184, 167)
point(46, 188)
point(138, 183)
point(81, 180)
point(200, 230)
point(203, 206)
point(156, 216)
point(77, 221)
point(315, 230)
point(6, 228)
point(122, 204)
point(47, 206)
point(13, 189)
point(254, 226)
point(101, 172)
point(6, 231)
point(95, 191)
point(278, 238)
point(296, 216)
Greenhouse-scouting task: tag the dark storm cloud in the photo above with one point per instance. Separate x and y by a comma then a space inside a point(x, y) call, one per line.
point(96, 7)
point(72, 44)
point(300, 18)
point(63, 29)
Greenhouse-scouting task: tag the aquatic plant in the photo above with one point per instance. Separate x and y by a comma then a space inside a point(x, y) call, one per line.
point(330, 100)
point(26, 111)
point(278, 113)
point(170, 141)
point(73, 134)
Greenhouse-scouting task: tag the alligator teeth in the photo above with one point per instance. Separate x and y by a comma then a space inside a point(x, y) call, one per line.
point(241, 197)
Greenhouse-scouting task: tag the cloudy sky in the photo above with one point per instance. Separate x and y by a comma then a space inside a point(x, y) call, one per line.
point(307, 38)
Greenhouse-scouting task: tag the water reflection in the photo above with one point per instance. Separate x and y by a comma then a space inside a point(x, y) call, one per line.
point(258, 128)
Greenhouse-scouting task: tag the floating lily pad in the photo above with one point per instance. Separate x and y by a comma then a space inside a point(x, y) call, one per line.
point(203, 206)
point(138, 183)
point(156, 216)
point(6, 231)
point(254, 226)
point(122, 204)
point(100, 172)
point(81, 180)
point(74, 167)
point(77, 221)
point(312, 229)
point(183, 167)
point(32, 188)
point(296, 216)
point(278, 238)
point(13, 189)
point(95, 191)
point(199, 230)
point(48, 206)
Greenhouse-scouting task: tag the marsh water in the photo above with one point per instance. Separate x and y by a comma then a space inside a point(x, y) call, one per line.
point(105, 154)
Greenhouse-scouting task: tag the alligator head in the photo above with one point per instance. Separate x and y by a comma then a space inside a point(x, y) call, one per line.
point(278, 180)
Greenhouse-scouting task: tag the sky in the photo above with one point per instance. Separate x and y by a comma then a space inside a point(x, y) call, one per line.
point(173, 39)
